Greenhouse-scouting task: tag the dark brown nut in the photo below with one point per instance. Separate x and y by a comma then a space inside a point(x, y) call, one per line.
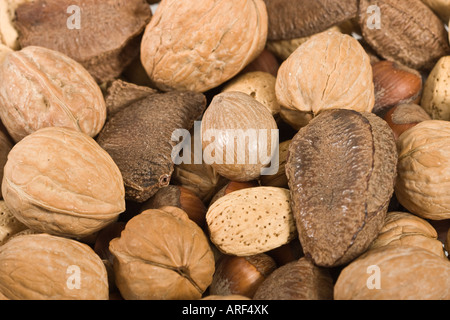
point(180, 197)
point(213, 51)
point(447, 242)
point(402, 228)
point(40, 88)
point(395, 273)
point(394, 85)
point(297, 280)
point(424, 170)
point(238, 136)
point(162, 255)
point(341, 170)
point(405, 116)
point(139, 139)
point(227, 297)
point(329, 71)
point(104, 236)
point(241, 275)
point(46, 267)
point(233, 186)
point(85, 36)
point(265, 62)
point(287, 253)
point(406, 28)
point(278, 179)
point(289, 19)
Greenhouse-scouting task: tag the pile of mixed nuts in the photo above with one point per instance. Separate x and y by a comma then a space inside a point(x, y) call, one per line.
point(225, 150)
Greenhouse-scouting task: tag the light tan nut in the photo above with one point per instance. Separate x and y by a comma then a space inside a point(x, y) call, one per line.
point(440, 7)
point(329, 71)
point(46, 267)
point(62, 182)
point(424, 170)
point(8, 34)
point(436, 96)
point(197, 46)
point(251, 221)
point(395, 273)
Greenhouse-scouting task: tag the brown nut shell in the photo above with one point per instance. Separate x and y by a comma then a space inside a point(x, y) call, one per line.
point(405, 116)
point(162, 255)
point(41, 88)
point(341, 170)
point(329, 71)
point(297, 280)
point(62, 182)
point(424, 170)
point(46, 267)
point(395, 273)
point(213, 51)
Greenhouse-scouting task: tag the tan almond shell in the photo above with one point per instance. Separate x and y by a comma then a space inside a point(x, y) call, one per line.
point(402, 228)
point(191, 45)
point(251, 221)
point(62, 182)
point(329, 71)
point(435, 96)
point(38, 267)
point(405, 273)
point(424, 170)
point(40, 88)
point(162, 255)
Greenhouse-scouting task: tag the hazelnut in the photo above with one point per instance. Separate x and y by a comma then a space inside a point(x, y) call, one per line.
point(233, 186)
point(395, 84)
point(405, 116)
point(265, 62)
point(241, 275)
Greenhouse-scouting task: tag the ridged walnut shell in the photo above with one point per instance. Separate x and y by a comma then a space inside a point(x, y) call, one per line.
point(46, 267)
point(424, 170)
point(341, 170)
point(62, 182)
point(329, 71)
point(192, 45)
point(395, 273)
point(162, 255)
point(45, 88)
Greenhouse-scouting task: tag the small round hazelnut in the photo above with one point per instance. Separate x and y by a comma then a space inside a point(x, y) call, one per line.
point(405, 116)
point(233, 186)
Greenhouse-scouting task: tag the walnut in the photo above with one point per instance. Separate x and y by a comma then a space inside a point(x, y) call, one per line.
point(192, 45)
point(44, 88)
point(424, 170)
point(60, 181)
point(46, 267)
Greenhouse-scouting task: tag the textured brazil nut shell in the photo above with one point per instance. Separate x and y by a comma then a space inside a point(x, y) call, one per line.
point(46, 267)
point(162, 255)
point(404, 273)
point(251, 221)
point(407, 28)
point(329, 71)
point(289, 19)
point(341, 170)
point(62, 182)
point(192, 45)
point(44, 88)
point(424, 170)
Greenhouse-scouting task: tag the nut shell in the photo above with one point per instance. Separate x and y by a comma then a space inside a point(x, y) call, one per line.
point(405, 273)
point(213, 51)
point(62, 182)
point(424, 170)
point(44, 267)
point(45, 88)
point(162, 255)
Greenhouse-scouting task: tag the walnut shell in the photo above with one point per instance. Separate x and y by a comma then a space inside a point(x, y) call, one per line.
point(297, 280)
point(341, 170)
point(407, 27)
point(435, 97)
point(251, 221)
point(9, 225)
point(329, 71)
point(62, 182)
point(213, 51)
point(44, 88)
point(404, 273)
point(424, 170)
point(402, 228)
point(46, 267)
point(162, 255)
